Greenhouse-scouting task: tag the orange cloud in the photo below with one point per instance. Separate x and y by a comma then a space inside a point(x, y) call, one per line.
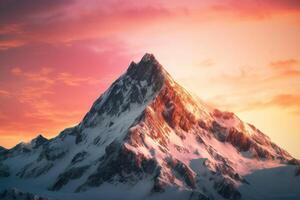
point(285, 69)
point(47, 76)
point(40, 76)
point(284, 64)
point(16, 71)
point(287, 74)
point(68, 20)
point(207, 63)
point(4, 93)
point(256, 9)
point(286, 100)
point(72, 80)
point(289, 102)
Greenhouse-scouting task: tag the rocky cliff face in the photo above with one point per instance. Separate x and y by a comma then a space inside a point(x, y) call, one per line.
point(146, 129)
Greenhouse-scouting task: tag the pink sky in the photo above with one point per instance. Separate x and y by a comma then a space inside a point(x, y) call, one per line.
point(58, 56)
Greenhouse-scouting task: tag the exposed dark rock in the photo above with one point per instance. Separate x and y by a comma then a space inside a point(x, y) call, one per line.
point(216, 155)
point(159, 185)
point(19, 148)
point(110, 124)
point(183, 172)
point(39, 141)
point(31, 171)
point(79, 157)
point(79, 138)
point(119, 162)
point(241, 141)
point(4, 170)
point(202, 124)
point(181, 149)
point(97, 140)
point(224, 115)
point(147, 69)
point(74, 131)
point(198, 196)
point(297, 171)
point(51, 154)
point(199, 139)
point(261, 152)
point(238, 140)
point(3, 153)
point(135, 138)
point(293, 161)
point(219, 131)
point(226, 189)
point(64, 178)
point(186, 173)
point(136, 95)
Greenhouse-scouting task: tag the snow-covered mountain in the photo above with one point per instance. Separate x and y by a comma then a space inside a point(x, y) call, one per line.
point(147, 138)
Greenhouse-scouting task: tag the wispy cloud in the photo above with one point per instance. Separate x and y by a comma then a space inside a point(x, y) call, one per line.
point(207, 63)
point(16, 71)
point(49, 77)
point(289, 100)
point(4, 93)
point(72, 80)
point(68, 20)
point(284, 64)
point(256, 9)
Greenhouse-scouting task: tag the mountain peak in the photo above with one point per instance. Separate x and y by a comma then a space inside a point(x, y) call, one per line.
point(148, 57)
point(147, 69)
point(38, 141)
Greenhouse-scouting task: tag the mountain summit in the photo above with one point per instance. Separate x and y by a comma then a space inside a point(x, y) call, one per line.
point(146, 137)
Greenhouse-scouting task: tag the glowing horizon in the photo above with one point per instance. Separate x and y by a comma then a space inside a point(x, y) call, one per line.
point(57, 57)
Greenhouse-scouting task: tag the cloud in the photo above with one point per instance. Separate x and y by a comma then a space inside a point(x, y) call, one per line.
point(287, 74)
point(284, 64)
point(16, 71)
point(41, 76)
point(31, 94)
point(4, 93)
point(285, 69)
point(286, 100)
point(272, 88)
point(289, 102)
point(23, 22)
point(16, 16)
point(256, 9)
point(49, 77)
point(207, 63)
point(18, 11)
point(67, 20)
point(72, 80)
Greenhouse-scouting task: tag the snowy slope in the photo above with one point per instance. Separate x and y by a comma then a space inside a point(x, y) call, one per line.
point(13, 194)
point(147, 138)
